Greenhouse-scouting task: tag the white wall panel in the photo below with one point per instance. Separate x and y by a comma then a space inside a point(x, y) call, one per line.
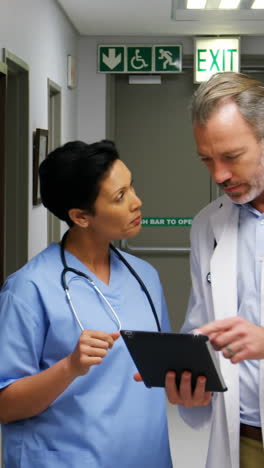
point(39, 33)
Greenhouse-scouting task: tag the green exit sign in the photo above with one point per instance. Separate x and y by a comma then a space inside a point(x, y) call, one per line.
point(214, 55)
point(159, 58)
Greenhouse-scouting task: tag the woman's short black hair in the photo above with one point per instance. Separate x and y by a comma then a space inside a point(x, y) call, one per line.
point(70, 176)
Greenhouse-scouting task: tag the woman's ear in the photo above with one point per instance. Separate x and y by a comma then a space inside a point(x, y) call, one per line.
point(79, 217)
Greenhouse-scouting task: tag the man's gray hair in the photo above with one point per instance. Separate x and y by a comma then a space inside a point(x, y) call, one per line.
point(245, 91)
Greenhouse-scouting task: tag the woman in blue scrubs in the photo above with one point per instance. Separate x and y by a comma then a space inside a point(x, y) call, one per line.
point(68, 398)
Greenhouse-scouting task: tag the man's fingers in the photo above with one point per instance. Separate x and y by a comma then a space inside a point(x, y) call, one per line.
point(185, 385)
point(171, 389)
point(212, 327)
point(218, 326)
point(200, 396)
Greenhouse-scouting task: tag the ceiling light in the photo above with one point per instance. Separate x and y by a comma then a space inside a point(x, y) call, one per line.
point(230, 10)
point(196, 4)
point(258, 4)
point(229, 4)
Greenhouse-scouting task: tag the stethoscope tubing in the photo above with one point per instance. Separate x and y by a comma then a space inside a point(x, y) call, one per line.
point(67, 269)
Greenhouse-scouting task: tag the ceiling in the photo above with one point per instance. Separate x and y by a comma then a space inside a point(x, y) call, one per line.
point(153, 18)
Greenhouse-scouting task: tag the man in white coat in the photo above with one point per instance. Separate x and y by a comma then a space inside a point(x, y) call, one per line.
point(227, 267)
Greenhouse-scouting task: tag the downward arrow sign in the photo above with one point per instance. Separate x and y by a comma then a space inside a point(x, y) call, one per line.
point(112, 60)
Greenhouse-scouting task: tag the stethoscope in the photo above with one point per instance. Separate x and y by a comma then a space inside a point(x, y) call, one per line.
point(66, 269)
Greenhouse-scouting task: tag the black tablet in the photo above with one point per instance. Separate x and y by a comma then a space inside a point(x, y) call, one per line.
point(155, 353)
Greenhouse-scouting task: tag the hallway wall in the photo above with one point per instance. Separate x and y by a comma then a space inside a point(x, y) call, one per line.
point(39, 33)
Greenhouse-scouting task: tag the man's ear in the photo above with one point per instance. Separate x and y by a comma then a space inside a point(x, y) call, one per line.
point(79, 217)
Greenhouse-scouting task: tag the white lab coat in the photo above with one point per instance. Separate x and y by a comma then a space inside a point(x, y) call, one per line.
point(214, 250)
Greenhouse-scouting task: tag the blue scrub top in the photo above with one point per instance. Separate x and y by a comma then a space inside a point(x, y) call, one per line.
point(103, 419)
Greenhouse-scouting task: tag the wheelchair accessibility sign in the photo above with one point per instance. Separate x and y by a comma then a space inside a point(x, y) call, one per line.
point(140, 58)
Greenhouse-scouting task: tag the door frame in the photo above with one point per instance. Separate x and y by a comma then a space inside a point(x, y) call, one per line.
point(16, 164)
point(54, 128)
point(3, 84)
